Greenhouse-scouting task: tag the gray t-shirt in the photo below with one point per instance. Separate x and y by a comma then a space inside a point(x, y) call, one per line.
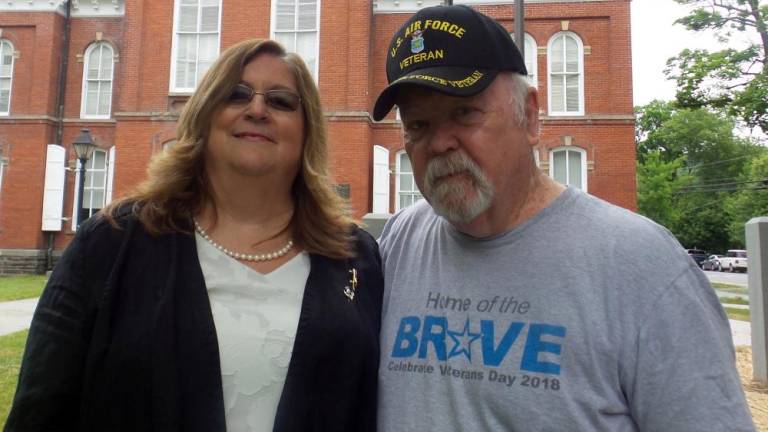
point(586, 317)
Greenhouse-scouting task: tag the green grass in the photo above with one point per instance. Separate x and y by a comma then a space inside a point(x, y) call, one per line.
point(734, 300)
point(21, 287)
point(11, 348)
point(737, 314)
point(730, 288)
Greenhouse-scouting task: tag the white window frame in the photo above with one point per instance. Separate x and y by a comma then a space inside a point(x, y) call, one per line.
point(398, 172)
point(5, 44)
point(580, 58)
point(583, 157)
point(84, 96)
point(174, 88)
point(272, 31)
point(530, 50)
point(109, 172)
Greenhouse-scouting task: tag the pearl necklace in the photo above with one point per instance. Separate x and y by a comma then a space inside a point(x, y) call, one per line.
point(243, 256)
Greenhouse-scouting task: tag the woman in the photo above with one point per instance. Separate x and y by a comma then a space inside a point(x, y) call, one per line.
point(229, 292)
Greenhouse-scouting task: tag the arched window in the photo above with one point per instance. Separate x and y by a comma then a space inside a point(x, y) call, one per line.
point(531, 62)
point(96, 100)
point(566, 74)
point(405, 184)
point(6, 76)
point(568, 165)
point(196, 33)
point(296, 25)
point(97, 191)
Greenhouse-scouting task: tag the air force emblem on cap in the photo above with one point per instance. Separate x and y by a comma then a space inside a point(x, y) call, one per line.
point(417, 43)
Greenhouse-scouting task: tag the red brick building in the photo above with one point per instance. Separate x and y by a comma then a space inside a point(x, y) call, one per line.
point(124, 68)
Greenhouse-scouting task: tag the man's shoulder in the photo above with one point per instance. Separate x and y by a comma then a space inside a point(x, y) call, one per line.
point(407, 224)
point(617, 221)
point(419, 212)
point(616, 234)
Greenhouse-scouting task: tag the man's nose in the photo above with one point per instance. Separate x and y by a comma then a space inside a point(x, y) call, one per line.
point(444, 138)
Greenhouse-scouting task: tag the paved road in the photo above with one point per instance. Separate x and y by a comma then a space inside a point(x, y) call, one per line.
point(727, 278)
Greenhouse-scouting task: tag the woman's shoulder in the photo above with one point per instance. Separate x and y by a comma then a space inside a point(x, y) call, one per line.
point(364, 243)
point(103, 229)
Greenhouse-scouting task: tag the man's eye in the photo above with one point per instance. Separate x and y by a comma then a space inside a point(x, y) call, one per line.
point(415, 126)
point(466, 112)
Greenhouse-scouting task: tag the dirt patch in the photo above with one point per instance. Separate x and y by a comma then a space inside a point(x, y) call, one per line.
point(757, 394)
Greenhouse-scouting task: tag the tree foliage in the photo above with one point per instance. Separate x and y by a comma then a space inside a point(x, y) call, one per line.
point(734, 80)
point(690, 166)
point(750, 202)
point(657, 183)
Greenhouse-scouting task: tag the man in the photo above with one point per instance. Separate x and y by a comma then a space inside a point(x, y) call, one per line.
point(512, 303)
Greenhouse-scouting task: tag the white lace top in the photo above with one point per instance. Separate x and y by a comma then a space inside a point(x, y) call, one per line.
point(255, 317)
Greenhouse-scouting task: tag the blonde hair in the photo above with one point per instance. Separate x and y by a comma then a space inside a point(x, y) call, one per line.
point(176, 188)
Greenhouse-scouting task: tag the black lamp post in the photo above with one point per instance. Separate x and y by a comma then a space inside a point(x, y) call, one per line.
point(84, 147)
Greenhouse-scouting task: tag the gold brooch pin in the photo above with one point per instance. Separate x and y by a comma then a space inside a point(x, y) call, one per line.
point(349, 291)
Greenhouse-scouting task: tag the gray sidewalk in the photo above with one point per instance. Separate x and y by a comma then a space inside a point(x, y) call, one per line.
point(16, 315)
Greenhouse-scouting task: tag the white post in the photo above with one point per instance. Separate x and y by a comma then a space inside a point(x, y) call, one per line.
point(757, 256)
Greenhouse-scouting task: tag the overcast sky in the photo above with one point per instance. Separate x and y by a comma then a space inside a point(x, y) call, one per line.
point(655, 39)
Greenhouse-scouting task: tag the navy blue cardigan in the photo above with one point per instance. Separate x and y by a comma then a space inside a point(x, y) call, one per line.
point(123, 339)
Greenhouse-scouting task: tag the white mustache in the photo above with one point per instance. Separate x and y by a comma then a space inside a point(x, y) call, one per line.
point(448, 165)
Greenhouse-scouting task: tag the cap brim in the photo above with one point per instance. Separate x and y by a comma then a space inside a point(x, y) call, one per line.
point(454, 81)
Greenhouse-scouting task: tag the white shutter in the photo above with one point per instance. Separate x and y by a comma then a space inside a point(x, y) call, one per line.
point(53, 192)
point(307, 15)
point(209, 19)
point(557, 55)
point(110, 174)
point(286, 15)
point(380, 180)
point(571, 54)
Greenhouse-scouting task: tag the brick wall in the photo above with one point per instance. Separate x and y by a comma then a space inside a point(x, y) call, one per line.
point(353, 43)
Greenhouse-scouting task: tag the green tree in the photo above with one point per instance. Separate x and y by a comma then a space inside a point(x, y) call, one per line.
point(750, 201)
point(689, 163)
point(650, 119)
point(734, 80)
point(657, 183)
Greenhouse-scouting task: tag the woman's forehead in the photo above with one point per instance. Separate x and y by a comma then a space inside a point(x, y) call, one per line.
point(269, 69)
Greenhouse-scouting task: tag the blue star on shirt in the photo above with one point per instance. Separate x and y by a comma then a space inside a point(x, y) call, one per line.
point(463, 341)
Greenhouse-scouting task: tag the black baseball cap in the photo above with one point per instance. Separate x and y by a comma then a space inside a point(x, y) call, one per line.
point(452, 49)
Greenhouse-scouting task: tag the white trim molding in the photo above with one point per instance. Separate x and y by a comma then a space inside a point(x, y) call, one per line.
point(80, 8)
point(409, 6)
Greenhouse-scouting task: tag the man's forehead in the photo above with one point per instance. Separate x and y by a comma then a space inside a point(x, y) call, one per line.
point(416, 96)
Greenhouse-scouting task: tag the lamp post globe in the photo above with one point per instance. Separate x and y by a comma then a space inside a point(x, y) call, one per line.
point(84, 147)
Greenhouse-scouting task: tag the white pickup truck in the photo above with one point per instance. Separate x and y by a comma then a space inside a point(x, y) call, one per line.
point(734, 260)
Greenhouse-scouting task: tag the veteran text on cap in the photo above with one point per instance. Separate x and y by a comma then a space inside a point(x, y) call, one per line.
point(451, 49)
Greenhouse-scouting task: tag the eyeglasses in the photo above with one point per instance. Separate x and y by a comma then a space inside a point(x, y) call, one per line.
point(281, 100)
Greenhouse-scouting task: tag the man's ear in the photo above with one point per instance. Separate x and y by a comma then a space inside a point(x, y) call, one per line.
point(532, 116)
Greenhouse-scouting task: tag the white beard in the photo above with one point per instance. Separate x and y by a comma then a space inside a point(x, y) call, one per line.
point(456, 199)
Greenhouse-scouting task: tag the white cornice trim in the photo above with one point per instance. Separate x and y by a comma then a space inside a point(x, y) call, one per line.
point(410, 6)
point(80, 8)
